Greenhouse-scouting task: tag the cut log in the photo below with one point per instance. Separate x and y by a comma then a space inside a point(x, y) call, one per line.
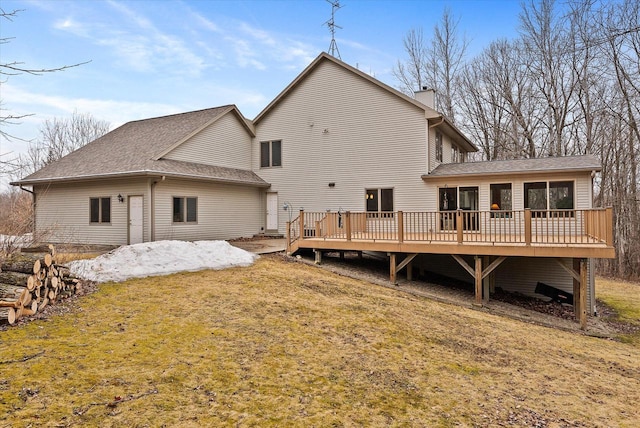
point(43, 304)
point(7, 290)
point(14, 278)
point(8, 314)
point(9, 303)
point(27, 311)
point(37, 266)
point(32, 282)
point(25, 298)
point(48, 259)
point(20, 262)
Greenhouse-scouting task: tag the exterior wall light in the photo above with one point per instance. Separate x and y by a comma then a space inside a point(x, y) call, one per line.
point(120, 198)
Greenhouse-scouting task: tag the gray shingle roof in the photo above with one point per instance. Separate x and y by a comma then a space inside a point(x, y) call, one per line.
point(517, 166)
point(131, 149)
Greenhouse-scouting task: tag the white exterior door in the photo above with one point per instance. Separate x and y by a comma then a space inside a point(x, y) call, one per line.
point(272, 211)
point(135, 219)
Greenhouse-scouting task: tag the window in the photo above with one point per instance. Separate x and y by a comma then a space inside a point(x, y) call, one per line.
point(535, 196)
point(455, 154)
point(100, 210)
point(501, 199)
point(380, 200)
point(438, 146)
point(185, 210)
point(561, 195)
point(555, 195)
point(270, 153)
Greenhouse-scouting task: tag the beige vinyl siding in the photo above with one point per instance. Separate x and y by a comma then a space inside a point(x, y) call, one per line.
point(521, 274)
point(224, 211)
point(62, 212)
point(223, 143)
point(337, 127)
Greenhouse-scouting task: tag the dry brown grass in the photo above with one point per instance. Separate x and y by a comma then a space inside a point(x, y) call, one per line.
point(624, 298)
point(286, 344)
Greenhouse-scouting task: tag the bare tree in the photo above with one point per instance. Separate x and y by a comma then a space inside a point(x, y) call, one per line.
point(9, 69)
point(448, 53)
point(60, 137)
point(411, 74)
point(548, 47)
point(435, 64)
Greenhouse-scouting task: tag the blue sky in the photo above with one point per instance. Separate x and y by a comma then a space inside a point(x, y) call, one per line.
point(151, 58)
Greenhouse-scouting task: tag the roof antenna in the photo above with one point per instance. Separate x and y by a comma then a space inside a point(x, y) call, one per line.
point(333, 47)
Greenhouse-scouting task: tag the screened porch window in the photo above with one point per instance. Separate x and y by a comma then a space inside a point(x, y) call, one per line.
point(501, 198)
point(554, 195)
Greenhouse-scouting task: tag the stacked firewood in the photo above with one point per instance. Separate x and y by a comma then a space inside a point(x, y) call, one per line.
point(30, 282)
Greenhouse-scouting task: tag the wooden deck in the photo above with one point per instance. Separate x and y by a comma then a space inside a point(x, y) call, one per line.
point(574, 233)
point(489, 236)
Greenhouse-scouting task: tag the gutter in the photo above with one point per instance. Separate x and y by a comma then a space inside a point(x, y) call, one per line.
point(501, 173)
point(141, 173)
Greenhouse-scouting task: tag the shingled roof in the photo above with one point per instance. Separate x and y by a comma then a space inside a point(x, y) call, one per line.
point(517, 166)
point(133, 150)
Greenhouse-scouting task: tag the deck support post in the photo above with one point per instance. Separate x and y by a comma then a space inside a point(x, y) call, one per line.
point(318, 254)
point(486, 281)
point(392, 268)
point(301, 224)
point(478, 273)
point(341, 255)
point(289, 238)
point(478, 277)
point(583, 294)
point(459, 226)
point(360, 255)
point(348, 225)
point(400, 227)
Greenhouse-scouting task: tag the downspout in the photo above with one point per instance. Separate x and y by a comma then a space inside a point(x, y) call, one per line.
point(33, 208)
point(152, 203)
point(152, 211)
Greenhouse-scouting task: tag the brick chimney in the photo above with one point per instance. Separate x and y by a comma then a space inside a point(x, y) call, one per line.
point(426, 96)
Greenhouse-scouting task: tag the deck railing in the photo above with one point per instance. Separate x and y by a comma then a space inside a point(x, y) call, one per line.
point(560, 227)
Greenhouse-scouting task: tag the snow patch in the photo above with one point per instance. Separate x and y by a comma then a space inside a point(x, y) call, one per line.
point(161, 258)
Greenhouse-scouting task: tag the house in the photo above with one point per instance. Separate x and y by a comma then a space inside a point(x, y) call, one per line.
point(338, 160)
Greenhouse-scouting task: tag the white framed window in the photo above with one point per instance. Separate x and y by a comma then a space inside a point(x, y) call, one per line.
point(439, 146)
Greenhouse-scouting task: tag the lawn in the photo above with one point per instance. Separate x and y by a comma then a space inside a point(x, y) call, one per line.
point(283, 343)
